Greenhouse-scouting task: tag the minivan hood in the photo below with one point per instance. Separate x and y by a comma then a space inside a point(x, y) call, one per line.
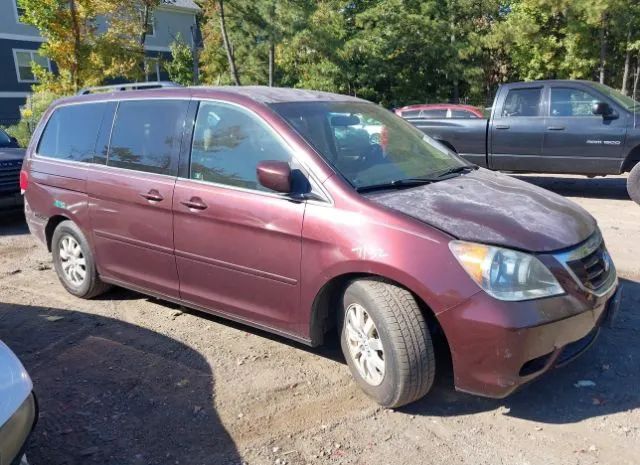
point(493, 208)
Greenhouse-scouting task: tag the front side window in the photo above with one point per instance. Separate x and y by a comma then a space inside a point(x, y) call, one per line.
point(522, 102)
point(24, 60)
point(367, 144)
point(146, 135)
point(71, 132)
point(571, 102)
point(228, 144)
point(5, 140)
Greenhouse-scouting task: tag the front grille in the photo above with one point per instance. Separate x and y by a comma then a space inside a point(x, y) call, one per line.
point(594, 269)
point(10, 179)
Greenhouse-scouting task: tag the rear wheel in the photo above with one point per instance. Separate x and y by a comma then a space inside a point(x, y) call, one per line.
point(386, 342)
point(74, 262)
point(633, 183)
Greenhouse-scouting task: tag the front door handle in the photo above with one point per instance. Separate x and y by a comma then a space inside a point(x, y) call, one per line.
point(502, 126)
point(556, 128)
point(152, 196)
point(194, 203)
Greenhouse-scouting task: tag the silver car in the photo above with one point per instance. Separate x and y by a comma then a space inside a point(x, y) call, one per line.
point(18, 408)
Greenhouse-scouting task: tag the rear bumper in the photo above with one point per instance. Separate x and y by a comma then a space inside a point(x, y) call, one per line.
point(15, 432)
point(496, 347)
point(36, 224)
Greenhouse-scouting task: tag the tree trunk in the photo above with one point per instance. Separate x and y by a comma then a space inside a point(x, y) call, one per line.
point(272, 59)
point(227, 46)
point(195, 55)
point(635, 80)
point(627, 63)
point(603, 47)
point(76, 45)
point(452, 40)
point(145, 20)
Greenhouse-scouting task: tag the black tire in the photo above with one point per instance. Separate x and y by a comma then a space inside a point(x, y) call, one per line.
point(408, 349)
point(91, 286)
point(633, 183)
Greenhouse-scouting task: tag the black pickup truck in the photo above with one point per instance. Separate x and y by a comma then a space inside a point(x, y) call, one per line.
point(10, 164)
point(556, 126)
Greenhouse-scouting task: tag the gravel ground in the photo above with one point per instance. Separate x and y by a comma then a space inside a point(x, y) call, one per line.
point(126, 379)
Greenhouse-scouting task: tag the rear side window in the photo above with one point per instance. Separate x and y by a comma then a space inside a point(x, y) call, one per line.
point(462, 114)
point(228, 144)
point(146, 135)
point(71, 132)
point(522, 102)
point(434, 113)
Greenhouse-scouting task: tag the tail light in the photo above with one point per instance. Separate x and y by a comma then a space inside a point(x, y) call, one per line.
point(24, 181)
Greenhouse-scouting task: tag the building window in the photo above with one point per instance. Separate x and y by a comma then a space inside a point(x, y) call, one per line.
point(150, 30)
point(152, 69)
point(23, 60)
point(19, 11)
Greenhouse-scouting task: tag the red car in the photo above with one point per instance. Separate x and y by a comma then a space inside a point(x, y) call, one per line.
point(242, 202)
point(445, 110)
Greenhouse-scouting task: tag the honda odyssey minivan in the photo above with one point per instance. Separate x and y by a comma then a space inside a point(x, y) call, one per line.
point(274, 208)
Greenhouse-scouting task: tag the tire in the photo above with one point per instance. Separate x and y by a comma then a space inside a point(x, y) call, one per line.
point(66, 235)
point(399, 326)
point(633, 183)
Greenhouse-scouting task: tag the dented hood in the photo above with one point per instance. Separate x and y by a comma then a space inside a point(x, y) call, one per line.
point(494, 208)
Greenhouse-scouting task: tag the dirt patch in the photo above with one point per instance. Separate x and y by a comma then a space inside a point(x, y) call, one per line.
point(127, 379)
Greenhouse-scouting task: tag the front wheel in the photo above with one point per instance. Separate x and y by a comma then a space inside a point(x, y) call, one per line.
point(633, 183)
point(386, 342)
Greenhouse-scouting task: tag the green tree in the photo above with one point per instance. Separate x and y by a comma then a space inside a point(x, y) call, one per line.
point(180, 67)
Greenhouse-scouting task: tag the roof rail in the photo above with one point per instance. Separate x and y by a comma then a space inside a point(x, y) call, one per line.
point(128, 86)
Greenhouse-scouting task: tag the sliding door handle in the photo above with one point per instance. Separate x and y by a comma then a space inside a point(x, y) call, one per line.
point(556, 128)
point(502, 126)
point(194, 203)
point(152, 196)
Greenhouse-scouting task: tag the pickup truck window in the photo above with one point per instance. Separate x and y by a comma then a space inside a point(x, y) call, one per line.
point(367, 144)
point(522, 102)
point(571, 102)
point(434, 113)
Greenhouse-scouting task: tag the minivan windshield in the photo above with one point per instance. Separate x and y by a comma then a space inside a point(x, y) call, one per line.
point(368, 145)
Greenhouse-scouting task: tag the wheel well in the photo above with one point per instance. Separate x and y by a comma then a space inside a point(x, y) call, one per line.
point(632, 159)
point(51, 226)
point(325, 307)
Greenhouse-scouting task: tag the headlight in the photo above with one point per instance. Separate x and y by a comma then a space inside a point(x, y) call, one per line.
point(505, 274)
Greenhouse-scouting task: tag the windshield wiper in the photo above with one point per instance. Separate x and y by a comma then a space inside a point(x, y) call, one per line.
point(457, 169)
point(397, 184)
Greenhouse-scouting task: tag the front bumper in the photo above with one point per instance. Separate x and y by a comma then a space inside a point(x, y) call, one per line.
point(11, 201)
point(498, 346)
point(15, 432)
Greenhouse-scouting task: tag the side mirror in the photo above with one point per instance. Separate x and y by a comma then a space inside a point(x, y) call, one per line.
point(601, 108)
point(275, 175)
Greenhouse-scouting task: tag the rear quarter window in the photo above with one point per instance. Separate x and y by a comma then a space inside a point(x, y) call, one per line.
point(147, 134)
point(71, 132)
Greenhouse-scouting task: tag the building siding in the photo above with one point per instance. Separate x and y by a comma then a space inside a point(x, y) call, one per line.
point(168, 23)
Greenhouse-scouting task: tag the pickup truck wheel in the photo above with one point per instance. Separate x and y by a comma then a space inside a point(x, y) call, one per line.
point(633, 183)
point(74, 263)
point(386, 342)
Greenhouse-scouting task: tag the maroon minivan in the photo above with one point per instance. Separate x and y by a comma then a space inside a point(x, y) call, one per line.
point(276, 208)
